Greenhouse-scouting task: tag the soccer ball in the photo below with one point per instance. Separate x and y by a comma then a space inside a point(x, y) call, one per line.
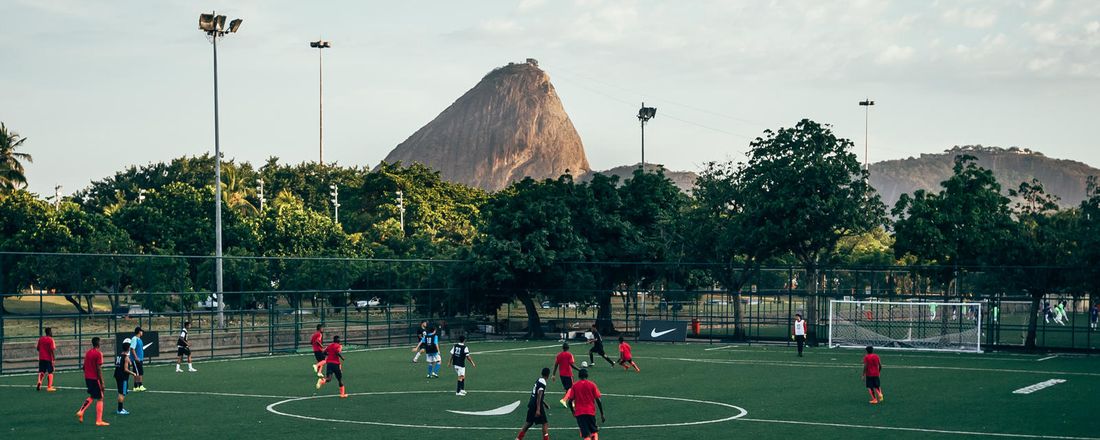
point(584, 364)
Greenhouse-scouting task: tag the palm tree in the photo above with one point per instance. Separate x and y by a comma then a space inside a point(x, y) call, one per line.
point(235, 191)
point(11, 166)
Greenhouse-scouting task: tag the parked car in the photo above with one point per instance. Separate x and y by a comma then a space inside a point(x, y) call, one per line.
point(131, 310)
point(362, 304)
point(210, 303)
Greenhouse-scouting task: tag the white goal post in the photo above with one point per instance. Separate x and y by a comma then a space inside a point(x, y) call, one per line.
point(928, 326)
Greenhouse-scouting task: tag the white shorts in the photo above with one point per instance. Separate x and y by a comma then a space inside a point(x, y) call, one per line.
point(433, 357)
point(461, 371)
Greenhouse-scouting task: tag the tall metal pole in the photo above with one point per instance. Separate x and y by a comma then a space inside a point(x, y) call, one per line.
point(867, 103)
point(643, 142)
point(320, 110)
point(217, 196)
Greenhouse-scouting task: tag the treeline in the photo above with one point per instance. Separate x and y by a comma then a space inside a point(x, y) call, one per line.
point(800, 198)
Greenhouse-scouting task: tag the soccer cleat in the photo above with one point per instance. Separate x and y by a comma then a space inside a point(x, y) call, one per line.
point(123, 412)
point(51, 390)
point(80, 416)
point(563, 403)
point(178, 370)
point(461, 393)
point(881, 398)
point(874, 401)
point(191, 369)
point(320, 382)
point(343, 396)
point(436, 376)
point(429, 376)
point(320, 374)
point(141, 388)
point(102, 423)
point(316, 369)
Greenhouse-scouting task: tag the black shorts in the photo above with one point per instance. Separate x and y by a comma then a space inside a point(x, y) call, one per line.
point(334, 369)
point(597, 348)
point(319, 355)
point(536, 420)
point(626, 360)
point(183, 351)
point(139, 367)
point(45, 366)
point(873, 382)
point(93, 388)
point(121, 383)
point(567, 382)
point(587, 423)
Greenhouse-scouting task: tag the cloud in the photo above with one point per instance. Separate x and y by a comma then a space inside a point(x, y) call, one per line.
point(895, 54)
point(1093, 27)
point(970, 18)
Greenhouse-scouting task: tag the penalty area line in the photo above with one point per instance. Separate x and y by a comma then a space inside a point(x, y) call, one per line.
point(902, 428)
point(196, 393)
point(515, 349)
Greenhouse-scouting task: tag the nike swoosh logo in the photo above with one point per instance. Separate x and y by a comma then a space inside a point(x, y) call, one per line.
point(506, 409)
point(656, 334)
point(146, 347)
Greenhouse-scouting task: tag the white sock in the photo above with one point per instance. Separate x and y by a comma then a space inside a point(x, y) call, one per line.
point(417, 357)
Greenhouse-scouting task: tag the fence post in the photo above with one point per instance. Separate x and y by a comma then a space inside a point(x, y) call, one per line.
point(1, 324)
point(240, 323)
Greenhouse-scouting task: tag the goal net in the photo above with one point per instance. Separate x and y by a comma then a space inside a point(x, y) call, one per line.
point(939, 326)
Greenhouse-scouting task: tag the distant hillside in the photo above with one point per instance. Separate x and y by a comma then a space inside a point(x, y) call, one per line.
point(684, 180)
point(1063, 178)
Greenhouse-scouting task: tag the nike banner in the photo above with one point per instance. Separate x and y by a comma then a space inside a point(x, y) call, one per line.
point(151, 341)
point(663, 331)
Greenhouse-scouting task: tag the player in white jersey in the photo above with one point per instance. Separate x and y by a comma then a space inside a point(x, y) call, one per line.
point(799, 332)
point(183, 348)
point(460, 353)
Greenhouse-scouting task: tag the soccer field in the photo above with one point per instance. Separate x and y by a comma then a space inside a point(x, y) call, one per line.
point(683, 391)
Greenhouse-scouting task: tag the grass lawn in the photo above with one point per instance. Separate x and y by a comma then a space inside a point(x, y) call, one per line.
point(683, 392)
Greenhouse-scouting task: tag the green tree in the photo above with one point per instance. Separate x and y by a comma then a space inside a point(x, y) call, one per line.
point(12, 174)
point(803, 189)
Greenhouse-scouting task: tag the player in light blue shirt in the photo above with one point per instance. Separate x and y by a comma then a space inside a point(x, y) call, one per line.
point(137, 354)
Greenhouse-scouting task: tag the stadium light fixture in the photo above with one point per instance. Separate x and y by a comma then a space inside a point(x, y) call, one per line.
point(335, 202)
point(213, 26)
point(320, 44)
point(644, 115)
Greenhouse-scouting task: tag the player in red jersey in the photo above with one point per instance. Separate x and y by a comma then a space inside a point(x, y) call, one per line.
point(318, 341)
point(564, 364)
point(872, 366)
point(46, 350)
point(625, 357)
point(332, 366)
point(583, 399)
point(93, 378)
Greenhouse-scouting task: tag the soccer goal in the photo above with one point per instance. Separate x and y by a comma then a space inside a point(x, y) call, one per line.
point(932, 326)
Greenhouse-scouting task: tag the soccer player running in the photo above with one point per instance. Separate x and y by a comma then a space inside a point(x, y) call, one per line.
point(183, 348)
point(122, 375)
point(536, 408)
point(332, 366)
point(318, 341)
point(597, 348)
point(137, 358)
point(583, 400)
point(459, 354)
point(872, 366)
point(47, 349)
point(564, 364)
point(625, 357)
point(799, 332)
point(93, 379)
point(420, 334)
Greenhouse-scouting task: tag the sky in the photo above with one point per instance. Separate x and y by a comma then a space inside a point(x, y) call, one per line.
point(97, 86)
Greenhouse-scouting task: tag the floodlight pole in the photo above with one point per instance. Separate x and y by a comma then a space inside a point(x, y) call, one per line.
point(866, 132)
point(320, 45)
point(214, 29)
point(401, 209)
point(644, 115)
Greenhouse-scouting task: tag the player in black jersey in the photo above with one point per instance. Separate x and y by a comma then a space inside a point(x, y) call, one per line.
point(536, 408)
point(183, 348)
point(597, 348)
point(430, 344)
point(122, 375)
point(423, 331)
point(459, 354)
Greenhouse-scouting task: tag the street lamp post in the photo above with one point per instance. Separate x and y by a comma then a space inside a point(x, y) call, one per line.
point(401, 209)
point(319, 45)
point(335, 202)
point(56, 197)
point(214, 27)
point(644, 115)
point(866, 131)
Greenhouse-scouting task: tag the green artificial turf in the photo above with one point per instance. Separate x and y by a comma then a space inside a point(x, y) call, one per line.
point(819, 396)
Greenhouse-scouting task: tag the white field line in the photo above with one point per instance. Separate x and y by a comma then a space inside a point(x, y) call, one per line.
point(719, 348)
point(1041, 385)
point(1046, 358)
point(197, 393)
point(935, 431)
point(516, 349)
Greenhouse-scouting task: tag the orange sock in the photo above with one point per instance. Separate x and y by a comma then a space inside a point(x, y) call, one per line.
point(520, 435)
point(50, 376)
point(99, 411)
point(342, 390)
point(87, 403)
